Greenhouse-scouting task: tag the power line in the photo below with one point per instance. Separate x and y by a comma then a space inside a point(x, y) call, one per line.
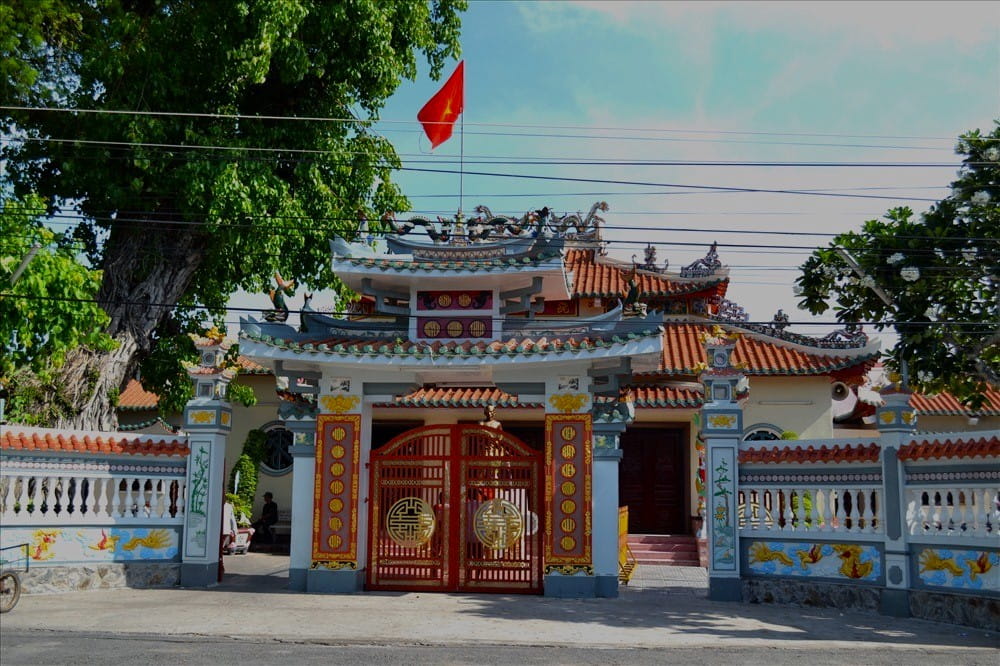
point(470, 123)
point(637, 324)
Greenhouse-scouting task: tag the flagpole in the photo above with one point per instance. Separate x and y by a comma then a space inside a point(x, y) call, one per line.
point(461, 162)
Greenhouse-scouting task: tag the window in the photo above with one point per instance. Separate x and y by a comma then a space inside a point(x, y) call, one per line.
point(277, 459)
point(761, 432)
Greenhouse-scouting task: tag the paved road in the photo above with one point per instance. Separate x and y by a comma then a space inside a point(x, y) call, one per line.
point(664, 616)
point(34, 648)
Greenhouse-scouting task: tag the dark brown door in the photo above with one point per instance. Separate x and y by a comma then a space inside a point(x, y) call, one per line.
point(651, 481)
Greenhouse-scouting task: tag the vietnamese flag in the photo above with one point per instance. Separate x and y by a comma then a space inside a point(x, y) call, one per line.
point(440, 113)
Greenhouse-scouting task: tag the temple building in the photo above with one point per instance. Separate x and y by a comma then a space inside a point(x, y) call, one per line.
point(393, 477)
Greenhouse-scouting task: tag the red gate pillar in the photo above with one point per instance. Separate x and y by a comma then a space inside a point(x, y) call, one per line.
point(336, 560)
point(568, 554)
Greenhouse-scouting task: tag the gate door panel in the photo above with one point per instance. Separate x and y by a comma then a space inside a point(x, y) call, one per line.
point(456, 508)
point(411, 496)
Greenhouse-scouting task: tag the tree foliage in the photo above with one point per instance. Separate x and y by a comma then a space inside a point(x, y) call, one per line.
point(219, 186)
point(940, 271)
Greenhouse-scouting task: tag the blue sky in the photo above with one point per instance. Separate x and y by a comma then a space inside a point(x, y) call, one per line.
point(703, 81)
point(698, 81)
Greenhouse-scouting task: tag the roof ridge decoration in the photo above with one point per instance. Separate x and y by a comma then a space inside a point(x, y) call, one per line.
point(852, 336)
point(708, 265)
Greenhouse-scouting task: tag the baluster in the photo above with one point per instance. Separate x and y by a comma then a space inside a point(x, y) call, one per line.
point(116, 496)
point(871, 501)
point(948, 524)
point(789, 512)
point(912, 510)
point(21, 496)
point(100, 504)
point(154, 499)
point(182, 498)
point(925, 513)
point(131, 501)
point(840, 517)
point(962, 511)
point(936, 500)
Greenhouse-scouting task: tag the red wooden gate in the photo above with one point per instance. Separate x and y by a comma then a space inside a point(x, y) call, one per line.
point(455, 508)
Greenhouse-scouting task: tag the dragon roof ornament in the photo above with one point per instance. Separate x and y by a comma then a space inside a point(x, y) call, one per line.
point(704, 267)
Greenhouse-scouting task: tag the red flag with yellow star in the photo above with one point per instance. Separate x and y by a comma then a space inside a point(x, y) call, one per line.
point(440, 113)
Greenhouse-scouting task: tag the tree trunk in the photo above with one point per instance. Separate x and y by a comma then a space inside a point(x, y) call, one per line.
point(146, 271)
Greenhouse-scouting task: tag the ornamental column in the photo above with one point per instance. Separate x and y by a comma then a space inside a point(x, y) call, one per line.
point(722, 416)
point(336, 562)
point(207, 420)
point(568, 564)
point(896, 423)
point(302, 424)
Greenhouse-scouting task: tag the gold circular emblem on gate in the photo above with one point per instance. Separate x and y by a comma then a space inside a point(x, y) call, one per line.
point(568, 506)
point(337, 469)
point(568, 432)
point(567, 543)
point(465, 300)
point(338, 434)
point(335, 524)
point(568, 451)
point(335, 541)
point(432, 329)
point(338, 451)
point(455, 328)
point(498, 524)
point(444, 300)
point(568, 470)
point(477, 328)
point(410, 522)
point(336, 486)
point(568, 487)
point(567, 525)
point(336, 505)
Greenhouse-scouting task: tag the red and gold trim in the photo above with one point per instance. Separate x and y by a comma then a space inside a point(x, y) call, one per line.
point(335, 494)
point(568, 493)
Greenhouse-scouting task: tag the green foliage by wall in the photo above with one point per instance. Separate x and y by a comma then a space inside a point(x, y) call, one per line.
point(247, 465)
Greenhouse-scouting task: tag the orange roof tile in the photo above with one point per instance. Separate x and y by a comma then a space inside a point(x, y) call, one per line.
point(683, 350)
point(135, 398)
point(666, 396)
point(112, 443)
point(459, 397)
point(947, 404)
point(836, 454)
point(592, 279)
point(927, 449)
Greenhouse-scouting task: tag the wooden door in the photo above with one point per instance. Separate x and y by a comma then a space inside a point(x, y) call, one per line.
point(651, 480)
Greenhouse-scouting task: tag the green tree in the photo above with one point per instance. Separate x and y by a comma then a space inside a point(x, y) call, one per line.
point(179, 210)
point(48, 312)
point(939, 272)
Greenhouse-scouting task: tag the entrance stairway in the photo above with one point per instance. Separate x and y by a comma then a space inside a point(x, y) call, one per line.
point(675, 550)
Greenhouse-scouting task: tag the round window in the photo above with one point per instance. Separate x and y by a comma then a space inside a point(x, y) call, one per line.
point(276, 455)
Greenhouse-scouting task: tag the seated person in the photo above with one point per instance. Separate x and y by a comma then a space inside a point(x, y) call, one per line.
point(268, 517)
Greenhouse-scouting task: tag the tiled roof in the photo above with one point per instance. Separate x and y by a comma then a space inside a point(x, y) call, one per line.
point(136, 399)
point(459, 397)
point(597, 280)
point(683, 351)
point(797, 454)
point(514, 346)
point(113, 443)
point(947, 404)
point(667, 396)
point(927, 449)
point(485, 264)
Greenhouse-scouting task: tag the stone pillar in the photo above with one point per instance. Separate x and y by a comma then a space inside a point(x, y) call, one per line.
point(896, 422)
point(722, 417)
point(568, 563)
point(607, 457)
point(207, 420)
point(303, 450)
point(336, 564)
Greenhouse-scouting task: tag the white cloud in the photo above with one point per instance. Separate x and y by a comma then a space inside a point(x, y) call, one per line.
point(886, 25)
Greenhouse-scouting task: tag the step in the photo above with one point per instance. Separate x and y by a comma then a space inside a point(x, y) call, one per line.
point(660, 538)
point(674, 559)
point(664, 547)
